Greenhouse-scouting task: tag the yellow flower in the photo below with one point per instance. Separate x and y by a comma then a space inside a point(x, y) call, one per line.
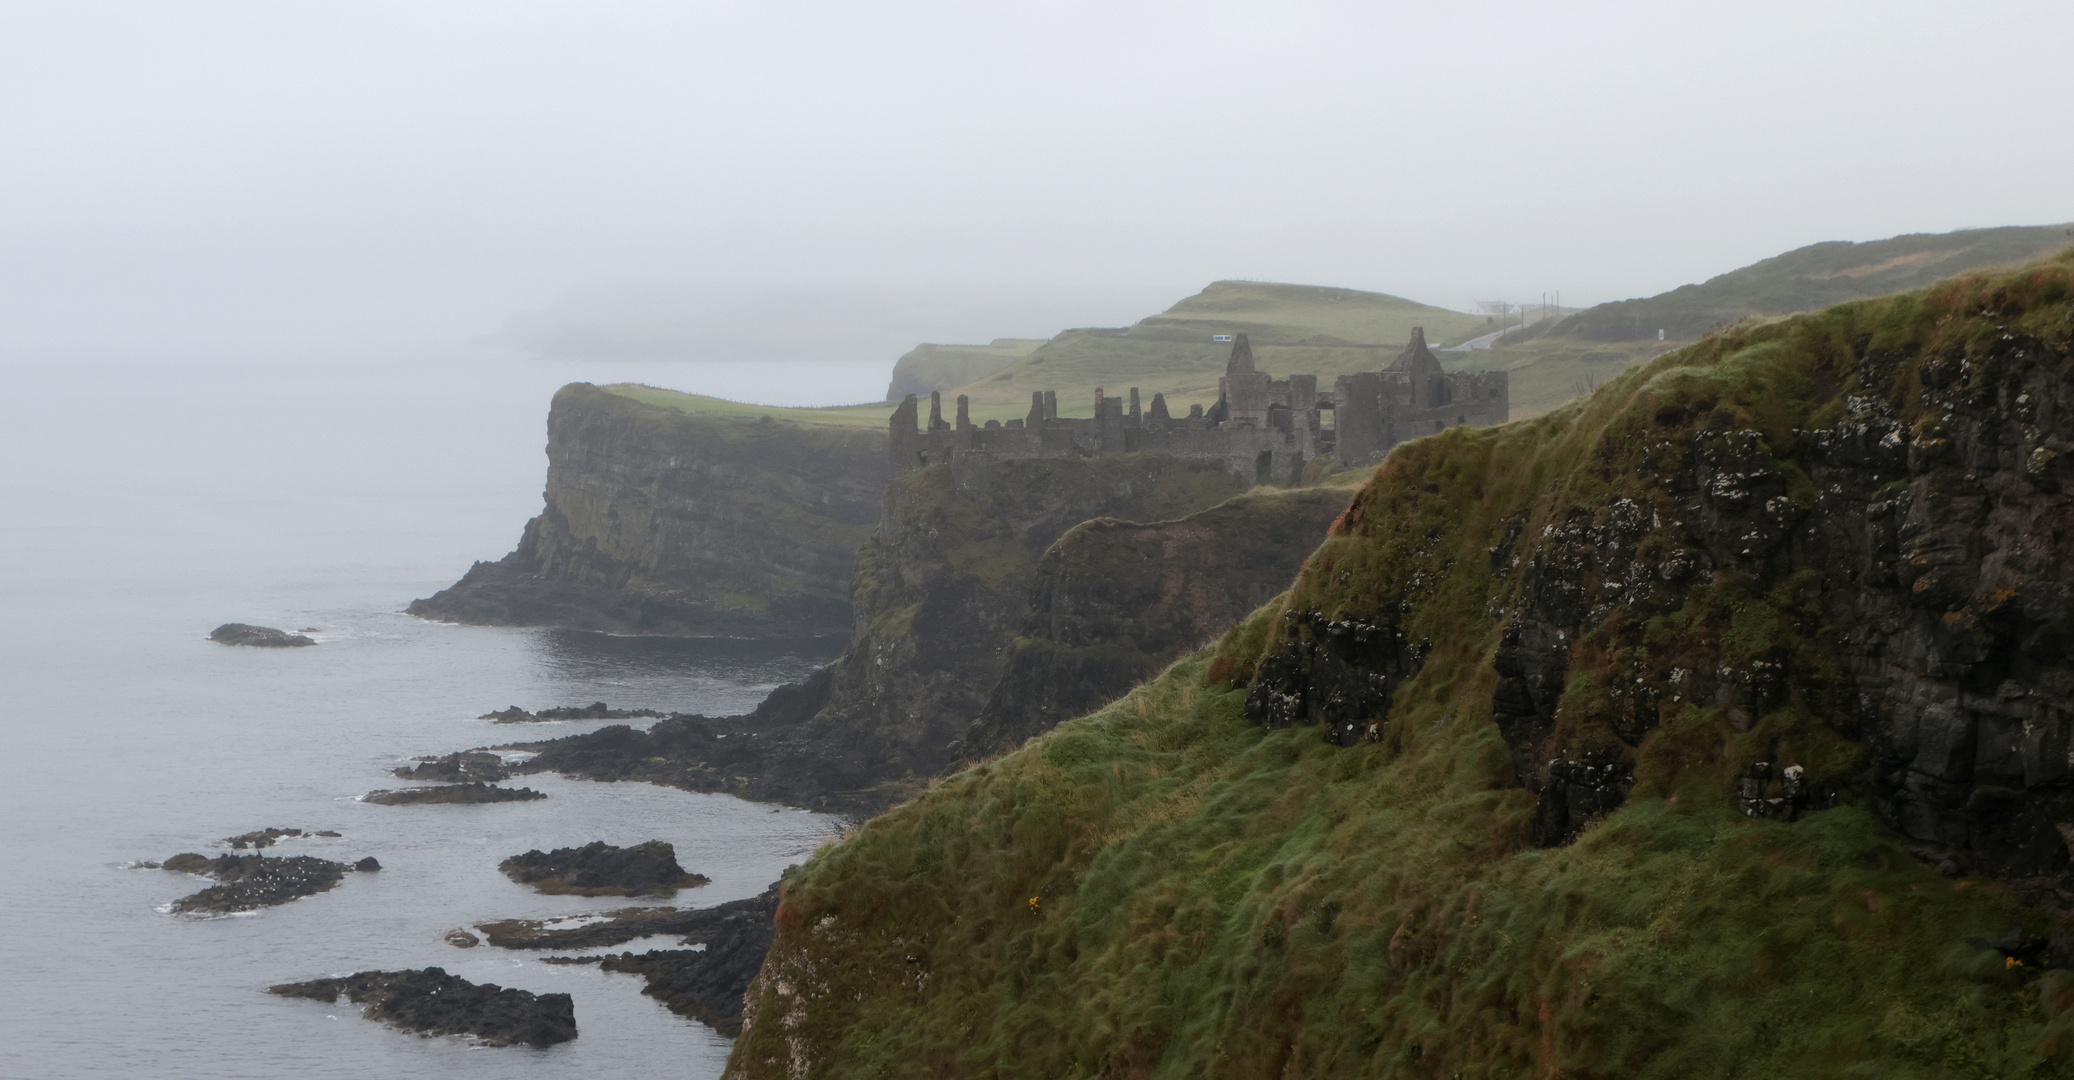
point(1033, 903)
point(2012, 963)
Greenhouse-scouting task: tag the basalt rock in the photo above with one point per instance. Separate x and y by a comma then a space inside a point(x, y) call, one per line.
point(432, 1002)
point(266, 838)
point(451, 793)
point(707, 984)
point(467, 767)
point(599, 869)
point(251, 882)
point(596, 710)
point(265, 637)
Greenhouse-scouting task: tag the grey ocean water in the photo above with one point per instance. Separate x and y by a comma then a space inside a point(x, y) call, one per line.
point(141, 505)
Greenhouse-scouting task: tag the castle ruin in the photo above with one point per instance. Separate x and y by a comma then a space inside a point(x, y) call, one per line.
point(1262, 428)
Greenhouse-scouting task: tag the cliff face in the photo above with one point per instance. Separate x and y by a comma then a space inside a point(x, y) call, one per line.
point(663, 522)
point(1114, 601)
point(1716, 725)
point(944, 584)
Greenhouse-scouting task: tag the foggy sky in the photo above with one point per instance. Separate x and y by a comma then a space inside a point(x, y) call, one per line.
point(395, 176)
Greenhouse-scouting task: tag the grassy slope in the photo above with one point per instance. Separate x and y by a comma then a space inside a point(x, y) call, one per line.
point(1165, 889)
point(941, 367)
point(1294, 328)
point(1813, 277)
point(1556, 362)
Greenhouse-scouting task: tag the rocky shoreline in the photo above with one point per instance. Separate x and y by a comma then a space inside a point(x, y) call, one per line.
point(705, 984)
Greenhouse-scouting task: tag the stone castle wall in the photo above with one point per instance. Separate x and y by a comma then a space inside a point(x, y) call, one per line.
point(1262, 428)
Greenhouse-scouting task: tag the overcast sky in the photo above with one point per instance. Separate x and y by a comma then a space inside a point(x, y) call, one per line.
point(394, 175)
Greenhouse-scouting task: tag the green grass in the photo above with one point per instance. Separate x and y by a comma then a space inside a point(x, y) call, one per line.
point(1301, 329)
point(1164, 889)
point(1812, 277)
point(941, 367)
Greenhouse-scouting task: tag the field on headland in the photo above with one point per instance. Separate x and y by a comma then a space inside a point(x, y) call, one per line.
point(1294, 328)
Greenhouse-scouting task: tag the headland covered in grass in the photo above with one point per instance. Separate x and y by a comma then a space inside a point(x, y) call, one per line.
point(1166, 888)
point(1554, 361)
point(1294, 328)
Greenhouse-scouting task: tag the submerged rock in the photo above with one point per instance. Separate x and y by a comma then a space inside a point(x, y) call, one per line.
point(599, 869)
point(462, 939)
point(237, 633)
point(451, 793)
point(432, 1002)
point(250, 882)
point(464, 767)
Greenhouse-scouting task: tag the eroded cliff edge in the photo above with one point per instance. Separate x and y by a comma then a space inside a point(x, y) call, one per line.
point(658, 521)
point(1716, 725)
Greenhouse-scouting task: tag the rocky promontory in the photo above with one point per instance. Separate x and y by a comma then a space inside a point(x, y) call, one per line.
point(451, 793)
point(265, 637)
point(705, 984)
point(663, 521)
point(600, 869)
point(250, 882)
point(432, 1002)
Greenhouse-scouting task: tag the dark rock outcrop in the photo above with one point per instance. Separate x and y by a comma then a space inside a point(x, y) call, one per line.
point(659, 521)
point(467, 767)
point(705, 984)
point(251, 882)
point(451, 793)
point(600, 869)
point(266, 637)
point(266, 838)
point(432, 1002)
point(596, 710)
point(1116, 601)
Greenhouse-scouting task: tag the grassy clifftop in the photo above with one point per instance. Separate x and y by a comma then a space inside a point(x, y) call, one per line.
point(1169, 888)
point(1294, 328)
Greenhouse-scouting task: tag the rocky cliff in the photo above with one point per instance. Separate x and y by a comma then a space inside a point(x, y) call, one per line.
point(1716, 725)
point(664, 522)
point(1115, 601)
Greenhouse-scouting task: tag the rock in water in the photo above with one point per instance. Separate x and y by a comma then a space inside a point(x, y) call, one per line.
point(599, 869)
point(432, 1002)
point(451, 793)
point(596, 710)
point(237, 633)
point(251, 882)
point(708, 984)
point(465, 767)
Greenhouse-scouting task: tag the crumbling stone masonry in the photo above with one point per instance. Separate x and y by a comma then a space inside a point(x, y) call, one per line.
point(1262, 428)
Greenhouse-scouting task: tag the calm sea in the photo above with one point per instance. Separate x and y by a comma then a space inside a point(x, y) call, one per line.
point(140, 506)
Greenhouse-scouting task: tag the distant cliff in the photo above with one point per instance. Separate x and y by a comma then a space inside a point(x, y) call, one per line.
point(1715, 725)
point(658, 521)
